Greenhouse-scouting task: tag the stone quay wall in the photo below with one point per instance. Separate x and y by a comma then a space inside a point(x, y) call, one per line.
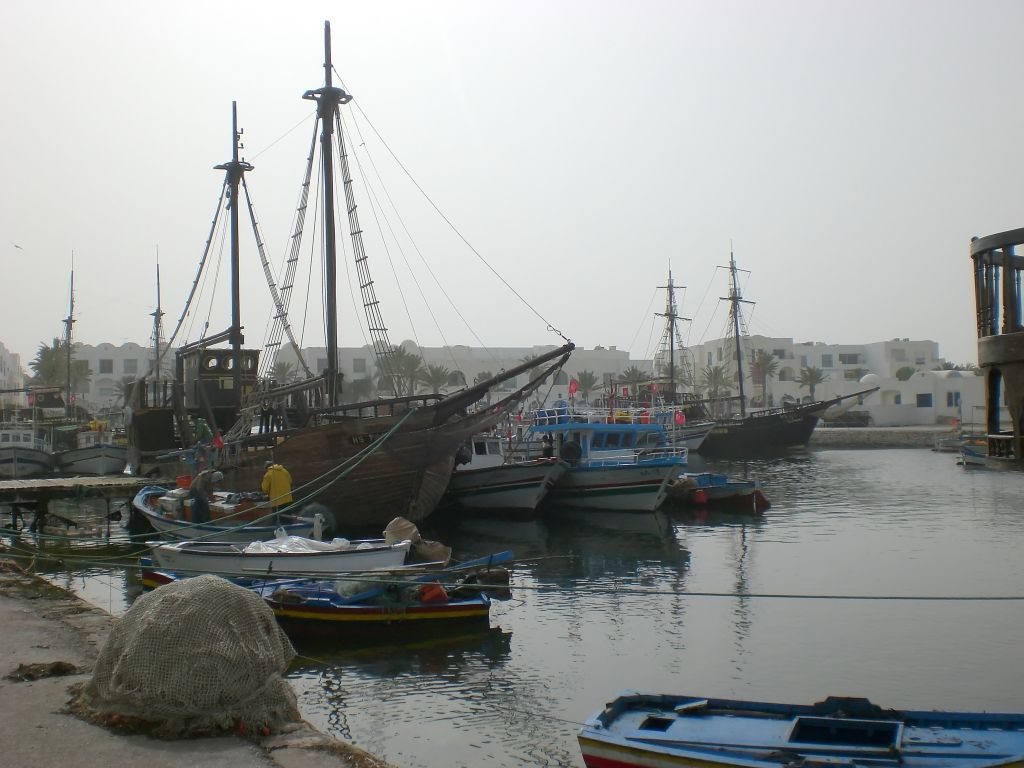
point(879, 437)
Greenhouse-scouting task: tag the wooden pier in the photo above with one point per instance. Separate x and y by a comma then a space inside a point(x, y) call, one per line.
point(31, 491)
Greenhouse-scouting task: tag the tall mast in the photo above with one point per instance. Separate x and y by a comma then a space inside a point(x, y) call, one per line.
point(157, 323)
point(328, 98)
point(671, 314)
point(735, 299)
point(235, 169)
point(67, 338)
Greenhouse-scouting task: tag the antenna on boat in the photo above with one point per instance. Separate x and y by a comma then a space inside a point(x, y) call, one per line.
point(328, 98)
point(235, 169)
point(70, 321)
point(158, 327)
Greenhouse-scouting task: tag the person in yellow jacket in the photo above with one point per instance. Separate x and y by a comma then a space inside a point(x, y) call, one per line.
point(277, 484)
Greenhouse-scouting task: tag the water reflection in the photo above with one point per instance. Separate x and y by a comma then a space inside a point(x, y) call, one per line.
point(605, 601)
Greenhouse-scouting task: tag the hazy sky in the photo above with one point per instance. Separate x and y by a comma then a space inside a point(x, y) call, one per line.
point(848, 150)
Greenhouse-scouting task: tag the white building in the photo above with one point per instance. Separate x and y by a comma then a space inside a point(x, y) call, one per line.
point(927, 397)
point(12, 377)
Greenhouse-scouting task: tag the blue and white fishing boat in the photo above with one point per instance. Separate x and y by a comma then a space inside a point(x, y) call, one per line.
point(657, 731)
point(612, 466)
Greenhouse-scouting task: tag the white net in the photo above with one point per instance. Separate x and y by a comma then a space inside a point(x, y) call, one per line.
point(195, 656)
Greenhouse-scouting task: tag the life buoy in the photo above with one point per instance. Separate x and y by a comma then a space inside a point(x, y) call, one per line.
point(700, 496)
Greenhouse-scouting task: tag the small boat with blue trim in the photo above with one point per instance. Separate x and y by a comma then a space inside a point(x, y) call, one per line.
point(638, 730)
point(357, 606)
point(712, 490)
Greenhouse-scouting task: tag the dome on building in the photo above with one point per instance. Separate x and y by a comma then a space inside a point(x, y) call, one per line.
point(871, 379)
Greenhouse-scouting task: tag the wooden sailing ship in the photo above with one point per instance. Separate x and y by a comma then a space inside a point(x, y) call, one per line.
point(368, 462)
point(763, 430)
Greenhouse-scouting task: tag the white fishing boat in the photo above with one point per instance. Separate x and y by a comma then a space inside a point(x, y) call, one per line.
point(281, 556)
point(96, 454)
point(486, 484)
point(233, 518)
point(22, 454)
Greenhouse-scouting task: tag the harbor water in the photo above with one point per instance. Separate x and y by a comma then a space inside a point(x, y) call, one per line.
point(877, 573)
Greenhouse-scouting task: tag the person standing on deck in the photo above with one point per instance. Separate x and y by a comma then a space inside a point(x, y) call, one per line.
point(265, 413)
point(199, 492)
point(277, 484)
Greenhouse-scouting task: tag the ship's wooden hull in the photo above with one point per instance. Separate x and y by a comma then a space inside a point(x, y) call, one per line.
point(336, 464)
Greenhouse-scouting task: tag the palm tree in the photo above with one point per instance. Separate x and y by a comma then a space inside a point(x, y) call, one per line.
point(810, 377)
point(402, 372)
point(123, 388)
point(434, 377)
point(716, 380)
point(587, 382)
point(283, 373)
point(765, 366)
point(904, 373)
point(633, 378)
point(358, 390)
point(51, 367)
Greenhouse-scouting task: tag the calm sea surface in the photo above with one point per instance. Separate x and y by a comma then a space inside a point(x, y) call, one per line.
point(717, 606)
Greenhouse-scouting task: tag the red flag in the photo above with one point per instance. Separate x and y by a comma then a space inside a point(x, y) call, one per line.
point(574, 386)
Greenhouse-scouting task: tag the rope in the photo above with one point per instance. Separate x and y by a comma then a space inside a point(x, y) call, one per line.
point(354, 460)
point(616, 591)
point(456, 231)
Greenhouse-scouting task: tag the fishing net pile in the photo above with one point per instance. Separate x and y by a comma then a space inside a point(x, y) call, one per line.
point(424, 550)
point(195, 656)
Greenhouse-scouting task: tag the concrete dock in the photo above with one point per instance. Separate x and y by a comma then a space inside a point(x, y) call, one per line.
point(41, 624)
point(879, 437)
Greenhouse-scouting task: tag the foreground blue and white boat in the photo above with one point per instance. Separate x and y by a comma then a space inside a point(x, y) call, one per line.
point(156, 504)
point(656, 731)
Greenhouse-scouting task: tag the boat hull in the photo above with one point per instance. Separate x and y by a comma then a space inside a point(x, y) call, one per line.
point(654, 731)
point(760, 435)
point(17, 462)
point(93, 460)
point(509, 490)
point(145, 503)
point(360, 621)
point(707, 490)
point(221, 558)
point(622, 487)
point(406, 475)
point(304, 615)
